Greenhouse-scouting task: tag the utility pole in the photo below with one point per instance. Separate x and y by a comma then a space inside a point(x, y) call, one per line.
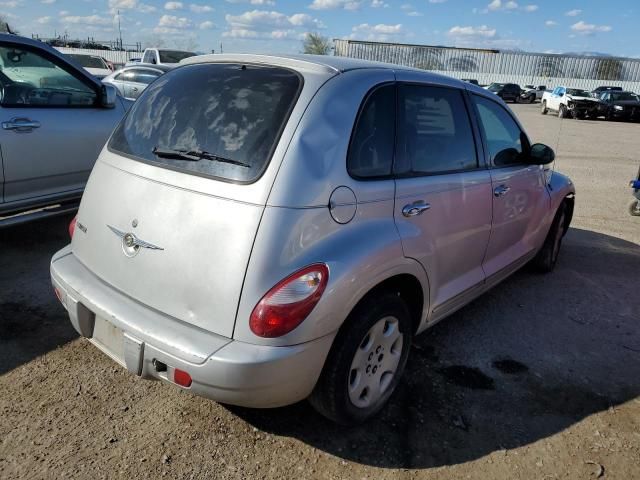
point(119, 30)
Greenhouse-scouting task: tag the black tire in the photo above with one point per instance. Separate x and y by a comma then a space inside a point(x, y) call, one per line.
point(546, 259)
point(634, 208)
point(562, 111)
point(532, 99)
point(330, 396)
point(543, 107)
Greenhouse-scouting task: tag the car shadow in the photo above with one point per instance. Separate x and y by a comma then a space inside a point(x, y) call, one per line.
point(32, 321)
point(530, 358)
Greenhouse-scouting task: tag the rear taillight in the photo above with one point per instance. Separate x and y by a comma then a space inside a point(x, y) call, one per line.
point(286, 305)
point(72, 226)
point(181, 378)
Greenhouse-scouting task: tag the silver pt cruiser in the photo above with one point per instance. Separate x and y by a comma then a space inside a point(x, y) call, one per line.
point(264, 229)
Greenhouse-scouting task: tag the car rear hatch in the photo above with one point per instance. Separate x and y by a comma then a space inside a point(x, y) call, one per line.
point(174, 229)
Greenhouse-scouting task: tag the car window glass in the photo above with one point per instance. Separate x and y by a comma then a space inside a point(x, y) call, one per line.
point(503, 136)
point(225, 119)
point(174, 56)
point(434, 131)
point(27, 78)
point(371, 149)
point(141, 76)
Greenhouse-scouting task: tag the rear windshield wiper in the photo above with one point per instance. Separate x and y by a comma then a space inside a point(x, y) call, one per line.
point(195, 156)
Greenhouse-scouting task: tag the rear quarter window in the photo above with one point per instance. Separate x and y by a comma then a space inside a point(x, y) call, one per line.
point(234, 112)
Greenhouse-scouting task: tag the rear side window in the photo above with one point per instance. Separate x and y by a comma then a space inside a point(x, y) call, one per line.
point(371, 150)
point(141, 76)
point(218, 120)
point(505, 140)
point(434, 131)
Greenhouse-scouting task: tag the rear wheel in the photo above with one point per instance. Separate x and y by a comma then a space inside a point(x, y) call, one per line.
point(366, 361)
point(634, 208)
point(543, 108)
point(546, 259)
point(532, 99)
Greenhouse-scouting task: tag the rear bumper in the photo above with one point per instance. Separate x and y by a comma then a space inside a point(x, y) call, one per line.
point(221, 369)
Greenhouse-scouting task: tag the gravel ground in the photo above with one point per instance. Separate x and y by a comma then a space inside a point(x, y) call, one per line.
point(538, 379)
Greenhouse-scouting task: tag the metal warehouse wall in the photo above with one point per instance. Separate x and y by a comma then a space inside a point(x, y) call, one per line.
point(116, 56)
point(489, 66)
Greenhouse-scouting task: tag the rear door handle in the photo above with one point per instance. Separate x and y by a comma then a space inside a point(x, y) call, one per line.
point(20, 124)
point(416, 208)
point(501, 191)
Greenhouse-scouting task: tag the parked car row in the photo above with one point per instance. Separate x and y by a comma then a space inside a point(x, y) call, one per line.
point(612, 104)
point(608, 102)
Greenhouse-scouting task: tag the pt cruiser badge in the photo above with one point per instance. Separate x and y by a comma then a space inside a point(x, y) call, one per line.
point(131, 244)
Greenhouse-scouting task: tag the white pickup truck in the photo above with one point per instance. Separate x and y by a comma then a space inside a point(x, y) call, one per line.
point(569, 102)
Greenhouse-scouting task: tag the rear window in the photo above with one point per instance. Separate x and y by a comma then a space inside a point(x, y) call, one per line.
point(226, 118)
point(87, 61)
point(174, 56)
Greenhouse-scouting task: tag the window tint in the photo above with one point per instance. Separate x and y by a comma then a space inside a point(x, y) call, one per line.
point(174, 56)
point(27, 78)
point(141, 76)
point(434, 131)
point(371, 149)
point(504, 137)
point(231, 111)
point(88, 61)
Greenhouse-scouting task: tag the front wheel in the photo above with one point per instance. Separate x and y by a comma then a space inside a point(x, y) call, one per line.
point(546, 259)
point(543, 108)
point(366, 361)
point(634, 208)
point(562, 111)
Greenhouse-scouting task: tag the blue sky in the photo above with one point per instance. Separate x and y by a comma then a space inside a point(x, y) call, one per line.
point(278, 25)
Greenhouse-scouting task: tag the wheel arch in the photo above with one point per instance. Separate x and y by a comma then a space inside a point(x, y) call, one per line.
point(408, 287)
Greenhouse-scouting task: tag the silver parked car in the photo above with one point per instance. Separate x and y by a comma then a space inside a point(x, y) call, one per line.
point(263, 229)
point(55, 119)
point(131, 81)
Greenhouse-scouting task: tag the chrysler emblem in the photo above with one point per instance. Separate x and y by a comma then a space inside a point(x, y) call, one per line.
point(131, 244)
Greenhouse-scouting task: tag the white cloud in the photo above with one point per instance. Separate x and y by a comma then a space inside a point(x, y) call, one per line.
point(415, 13)
point(530, 8)
point(144, 8)
point(88, 20)
point(379, 32)
point(47, 2)
point(551, 23)
point(200, 8)
point(495, 5)
point(378, 4)
point(334, 4)
point(269, 24)
point(43, 20)
point(589, 28)
point(173, 6)
point(468, 32)
point(437, 1)
point(207, 25)
point(122, 4)
point(10, 4)
point(171, 21)
point(573, 13)
point(254, 2)
point(511, 5)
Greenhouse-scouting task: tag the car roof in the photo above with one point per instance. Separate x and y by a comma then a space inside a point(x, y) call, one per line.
point(318, 63)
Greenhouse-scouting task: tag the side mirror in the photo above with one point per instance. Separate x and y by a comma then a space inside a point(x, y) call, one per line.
point(541, 154)
point(108, 96)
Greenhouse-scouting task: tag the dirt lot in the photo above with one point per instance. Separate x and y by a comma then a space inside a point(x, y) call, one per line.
point(538, 379)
